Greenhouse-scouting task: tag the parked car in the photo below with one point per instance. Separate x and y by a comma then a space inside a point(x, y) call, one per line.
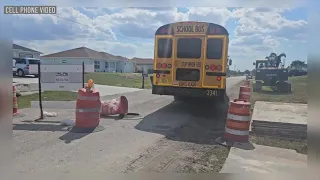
point(25, 66)
point(248, 76)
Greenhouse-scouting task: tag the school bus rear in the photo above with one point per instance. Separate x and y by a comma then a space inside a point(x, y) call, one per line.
point(190, 60)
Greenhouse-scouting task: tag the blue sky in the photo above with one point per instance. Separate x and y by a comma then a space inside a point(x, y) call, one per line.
point(129, 32)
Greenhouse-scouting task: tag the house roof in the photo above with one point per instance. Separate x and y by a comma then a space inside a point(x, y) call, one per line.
point(85, 52)
point(16, 46)
point(146, 61)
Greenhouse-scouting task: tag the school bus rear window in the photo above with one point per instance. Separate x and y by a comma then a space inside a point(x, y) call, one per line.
point(164, 48)
point(214, 48)
point(189, 48)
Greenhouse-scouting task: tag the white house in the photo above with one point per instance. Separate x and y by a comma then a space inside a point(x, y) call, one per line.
point(94, 61)
point(20, 51)
point(143, 64)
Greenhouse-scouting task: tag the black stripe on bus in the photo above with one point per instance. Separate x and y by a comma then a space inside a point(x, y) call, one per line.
point(161, 71)
point(216, 74)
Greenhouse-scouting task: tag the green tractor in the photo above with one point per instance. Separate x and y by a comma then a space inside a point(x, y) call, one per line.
point(270, 73)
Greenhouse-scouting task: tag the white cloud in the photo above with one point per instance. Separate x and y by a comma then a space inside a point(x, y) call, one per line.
point(69, 24)
point(268, 21)
point(172, 3)
point(258, 30)
point(214, 15)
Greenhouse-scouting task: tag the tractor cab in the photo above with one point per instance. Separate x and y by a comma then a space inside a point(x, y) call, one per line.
point(260, 64)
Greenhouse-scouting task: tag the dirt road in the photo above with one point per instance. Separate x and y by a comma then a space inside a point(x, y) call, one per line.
point(170, 137)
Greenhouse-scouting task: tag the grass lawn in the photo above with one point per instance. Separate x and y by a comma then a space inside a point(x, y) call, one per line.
point(133, 80)
point(25, 101)
point(300, 146)
point(299, 92)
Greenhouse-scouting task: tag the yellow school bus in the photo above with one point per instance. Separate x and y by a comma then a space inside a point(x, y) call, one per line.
point(190, 60)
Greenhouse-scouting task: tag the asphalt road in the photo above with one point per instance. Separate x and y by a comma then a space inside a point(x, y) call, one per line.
point(169, 137)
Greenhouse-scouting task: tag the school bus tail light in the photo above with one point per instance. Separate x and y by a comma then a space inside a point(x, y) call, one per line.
point(158, 75)
point(164, 66)
point(219, 68)
point(169, 65)
point(158, 65)
point(218, 78)
point(213, 67)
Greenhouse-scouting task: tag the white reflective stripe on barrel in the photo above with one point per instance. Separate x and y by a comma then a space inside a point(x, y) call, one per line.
point(88, 98)
point(246, 93)
point(238, 118)
point(236, 132)
point(88, 110)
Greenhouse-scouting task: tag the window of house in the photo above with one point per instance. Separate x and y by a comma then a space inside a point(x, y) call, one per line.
point(97, 64)
point(106, 65)
point(24, 55)
point(112, 65)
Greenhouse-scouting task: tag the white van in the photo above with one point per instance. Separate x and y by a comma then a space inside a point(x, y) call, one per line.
point(25, 66)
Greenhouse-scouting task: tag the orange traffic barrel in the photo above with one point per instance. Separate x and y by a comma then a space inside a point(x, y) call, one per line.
point(245, 93)
point(238, 122)
point(246, 83)
point(15, 100)
point(88, 108)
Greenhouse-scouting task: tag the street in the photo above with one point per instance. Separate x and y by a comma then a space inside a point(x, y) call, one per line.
point(170, 137)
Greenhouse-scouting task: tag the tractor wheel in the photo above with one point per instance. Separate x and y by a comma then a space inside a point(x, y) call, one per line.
point(284, 87)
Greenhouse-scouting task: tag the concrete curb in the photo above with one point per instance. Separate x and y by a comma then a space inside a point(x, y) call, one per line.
point(54, 104)
point(22, 87)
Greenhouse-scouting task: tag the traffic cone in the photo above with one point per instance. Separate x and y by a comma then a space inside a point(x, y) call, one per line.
point(15, 101)
point(245, 93)
point(237, 126)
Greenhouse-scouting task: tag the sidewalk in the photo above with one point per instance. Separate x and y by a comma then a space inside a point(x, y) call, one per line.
point(265, 159)
point(104, 90)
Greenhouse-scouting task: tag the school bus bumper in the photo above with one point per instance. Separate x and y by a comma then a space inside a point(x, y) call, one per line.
point(188, 92)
